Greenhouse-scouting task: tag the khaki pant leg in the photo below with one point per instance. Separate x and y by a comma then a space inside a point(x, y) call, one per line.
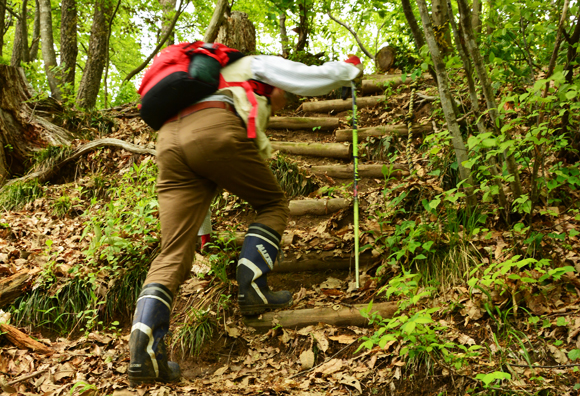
point(184, 198)
point(217, 148)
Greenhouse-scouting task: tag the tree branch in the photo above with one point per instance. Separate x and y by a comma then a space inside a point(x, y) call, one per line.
point(45, 174)
point(156, 50)
point(216, 21)
point(360, 44)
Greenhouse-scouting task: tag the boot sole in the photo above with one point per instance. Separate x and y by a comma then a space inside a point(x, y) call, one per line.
point(133, 382)
point(257, 309)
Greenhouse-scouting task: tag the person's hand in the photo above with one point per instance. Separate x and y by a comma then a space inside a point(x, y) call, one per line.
point(355, 61)
point(277, 100)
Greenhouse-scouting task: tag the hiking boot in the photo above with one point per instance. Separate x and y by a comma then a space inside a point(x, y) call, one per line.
point(257, 258)
point(146, 345)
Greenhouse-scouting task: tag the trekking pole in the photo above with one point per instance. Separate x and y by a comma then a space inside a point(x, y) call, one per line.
point(355, 184)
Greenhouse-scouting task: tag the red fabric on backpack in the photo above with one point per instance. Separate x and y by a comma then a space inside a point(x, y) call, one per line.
point(167, 87)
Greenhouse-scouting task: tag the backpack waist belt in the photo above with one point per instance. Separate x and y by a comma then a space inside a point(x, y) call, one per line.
point(201, 106)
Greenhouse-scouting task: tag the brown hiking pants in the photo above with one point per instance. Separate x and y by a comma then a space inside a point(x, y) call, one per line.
point(195, 155)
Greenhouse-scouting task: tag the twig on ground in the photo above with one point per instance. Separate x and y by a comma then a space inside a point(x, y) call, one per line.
point(28, 376)
point(326, 361)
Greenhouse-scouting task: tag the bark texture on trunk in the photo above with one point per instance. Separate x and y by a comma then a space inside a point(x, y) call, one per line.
point(16, 285)
point(168, 10)
point(370, 171)
point(440, 17)
point(303, 28)
point(317, 207)
point(21, 131)
point(23, 341)
point(385, 59)
point(413, 25)
point(238, 32)
point(47, 46)
point(97, 55)
point(284, 36)
point(447, 101)
point(345, 135)
point(460, 44)
point(2, 23)
point(68, 42)
point(476, 17)
point(377, 82)
point(338, 105)
point(33, 53)
point(298, 318)
point(20, 46)
point(328, 150)
point(475, 55)
point(216, 21)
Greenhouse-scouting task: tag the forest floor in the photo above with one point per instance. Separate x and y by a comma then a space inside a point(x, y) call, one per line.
point(478, 309)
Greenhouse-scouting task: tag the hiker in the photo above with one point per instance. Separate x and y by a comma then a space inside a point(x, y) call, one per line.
point(205, 146)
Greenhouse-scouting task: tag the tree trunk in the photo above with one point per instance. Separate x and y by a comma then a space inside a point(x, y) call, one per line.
point(412, 21)
point(238, 32)
point(216, 21)
point(96, 56)
point(345, 135)
point(491, 17)
point(20, 46)
point(338, 105)
point(68, 43)
point(474, 53)
point(385, 59)
point(460, 44)
point(2, 23)
point(304, 123)
point(303, 28)
point(328, 150)
point(284, 36)
point(370, 171)
point(168, 7)
point(47, 46)
point(33, 54)
point(440, 17)
point(21, 130)
point(447, 102)
point(344, 316)
point(476, 17)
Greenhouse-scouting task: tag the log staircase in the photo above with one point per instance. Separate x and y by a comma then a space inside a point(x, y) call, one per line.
point(322, 144)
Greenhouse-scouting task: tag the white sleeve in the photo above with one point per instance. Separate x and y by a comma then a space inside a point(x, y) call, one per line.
point(301, 79)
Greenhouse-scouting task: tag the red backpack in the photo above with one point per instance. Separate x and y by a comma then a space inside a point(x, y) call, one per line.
point(185, 73)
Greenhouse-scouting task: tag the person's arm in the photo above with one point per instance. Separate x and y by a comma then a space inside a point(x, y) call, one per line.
point(301, 79)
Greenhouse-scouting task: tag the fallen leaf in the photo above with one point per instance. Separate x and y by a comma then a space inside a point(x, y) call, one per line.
point(343, 338)
point(332, 366)
point(559, 356)
point(351, 381)
point(307, 359)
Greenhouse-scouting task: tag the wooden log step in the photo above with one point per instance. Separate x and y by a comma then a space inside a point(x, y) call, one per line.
point(377, 82)
point(320, 261)
point(338, 315)
point(306, 123)
point(345, 135)
point(317, 207)
point(374, 171)
point(338, 105)
point(329, 150)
